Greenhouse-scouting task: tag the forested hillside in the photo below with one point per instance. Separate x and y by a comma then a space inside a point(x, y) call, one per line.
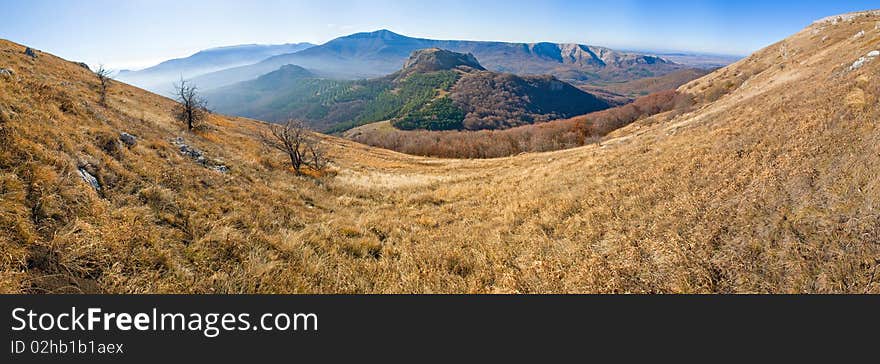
point(542, 137)
point(437, 90)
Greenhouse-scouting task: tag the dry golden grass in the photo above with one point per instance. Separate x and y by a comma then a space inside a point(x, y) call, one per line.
point(770, 184)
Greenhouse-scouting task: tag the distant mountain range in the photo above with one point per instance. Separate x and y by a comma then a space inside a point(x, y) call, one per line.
point(435, 90)
point(375, 54)
point(160, 78)
point(264, 81)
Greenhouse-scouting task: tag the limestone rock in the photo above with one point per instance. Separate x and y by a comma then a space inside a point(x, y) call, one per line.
point(858, 63)
point(199, 156)
point(128, 139)
point(89, 178)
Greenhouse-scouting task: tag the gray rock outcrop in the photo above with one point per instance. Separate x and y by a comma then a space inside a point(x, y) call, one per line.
point(128, 139)
point(89, 178)
point(199, 156)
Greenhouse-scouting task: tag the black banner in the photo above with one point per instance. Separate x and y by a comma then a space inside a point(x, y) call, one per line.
point(416, 328)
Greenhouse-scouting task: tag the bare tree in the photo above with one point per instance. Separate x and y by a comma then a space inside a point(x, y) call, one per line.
point(104, 78)
point(294, 139)
point(191, 107)
point(316, 154)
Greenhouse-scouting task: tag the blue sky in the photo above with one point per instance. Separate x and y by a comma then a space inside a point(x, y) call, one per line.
point(139, 33)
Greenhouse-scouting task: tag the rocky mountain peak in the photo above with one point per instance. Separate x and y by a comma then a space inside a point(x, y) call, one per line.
point(436, 59)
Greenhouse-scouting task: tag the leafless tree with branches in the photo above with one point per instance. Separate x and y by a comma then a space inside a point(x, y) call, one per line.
point(191, 107)
point(316, 154)
point(294, 139)
point(104, 78)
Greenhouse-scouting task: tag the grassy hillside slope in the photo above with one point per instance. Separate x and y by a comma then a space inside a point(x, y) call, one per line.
point(769, 184)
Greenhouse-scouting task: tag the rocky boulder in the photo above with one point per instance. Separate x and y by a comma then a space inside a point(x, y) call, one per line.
point(89, 178)
point(128, 139)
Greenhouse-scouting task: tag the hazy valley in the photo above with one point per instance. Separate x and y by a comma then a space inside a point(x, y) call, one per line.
point(160, 78)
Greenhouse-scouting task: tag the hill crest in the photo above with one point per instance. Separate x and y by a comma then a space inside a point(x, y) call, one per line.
point(436, 59)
